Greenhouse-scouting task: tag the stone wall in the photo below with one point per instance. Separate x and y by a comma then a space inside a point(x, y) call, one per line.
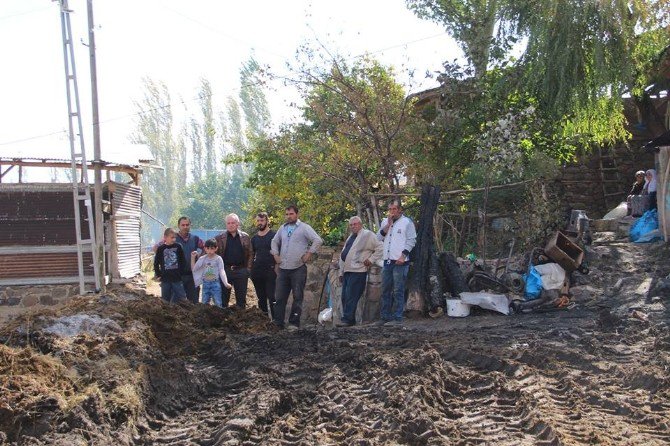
point(319, 287)
point(581, 184)
point(316, 276)
point(17, 299)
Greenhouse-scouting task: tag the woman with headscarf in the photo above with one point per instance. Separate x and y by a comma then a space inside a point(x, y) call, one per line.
point(637, 188)
point(650, 188)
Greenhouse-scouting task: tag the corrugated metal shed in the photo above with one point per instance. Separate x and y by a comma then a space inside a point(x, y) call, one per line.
point(37, 236)
point(126, 209)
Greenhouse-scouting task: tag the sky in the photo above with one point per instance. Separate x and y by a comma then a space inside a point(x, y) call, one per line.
point(179, 43)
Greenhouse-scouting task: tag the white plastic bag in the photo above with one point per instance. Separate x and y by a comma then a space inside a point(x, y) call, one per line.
point(325, 315)
point(618, 212)
point(552, 274)
point(489, 301)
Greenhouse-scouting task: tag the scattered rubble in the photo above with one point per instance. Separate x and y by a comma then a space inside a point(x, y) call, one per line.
point(186, 374)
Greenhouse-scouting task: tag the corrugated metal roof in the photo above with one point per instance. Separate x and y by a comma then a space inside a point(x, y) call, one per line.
point(129, 154)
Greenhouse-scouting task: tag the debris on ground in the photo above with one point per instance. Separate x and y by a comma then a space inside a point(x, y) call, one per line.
point(185, 374)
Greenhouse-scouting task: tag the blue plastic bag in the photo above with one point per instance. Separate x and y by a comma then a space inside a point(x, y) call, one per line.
point(533, 284)
point(647, 223)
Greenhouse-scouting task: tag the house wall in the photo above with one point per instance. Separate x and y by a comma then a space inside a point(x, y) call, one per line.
point(581, 181)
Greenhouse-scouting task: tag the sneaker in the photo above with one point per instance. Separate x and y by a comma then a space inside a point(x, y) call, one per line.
point(393, 324)
point(344, 324)
point(291, 327)
point(380, 322)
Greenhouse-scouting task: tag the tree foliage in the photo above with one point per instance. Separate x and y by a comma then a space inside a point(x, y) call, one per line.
point(575, 59)
point(161, 188)
point(355, 138)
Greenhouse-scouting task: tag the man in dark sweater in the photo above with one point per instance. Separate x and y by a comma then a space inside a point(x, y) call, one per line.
point(234, 247)
point(169, 267)
point(263, 273)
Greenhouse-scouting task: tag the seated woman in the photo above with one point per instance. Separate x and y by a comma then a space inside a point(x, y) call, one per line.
point(638, 187)
point(650, 188)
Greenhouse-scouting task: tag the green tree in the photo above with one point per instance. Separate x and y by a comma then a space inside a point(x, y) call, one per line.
point(252, 98)
point(357, 132)
point(207, 127)
point(577, 59)
point(161, 188)
point(217, 194)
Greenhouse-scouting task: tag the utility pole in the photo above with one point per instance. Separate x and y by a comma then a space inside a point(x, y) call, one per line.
point(99, 244)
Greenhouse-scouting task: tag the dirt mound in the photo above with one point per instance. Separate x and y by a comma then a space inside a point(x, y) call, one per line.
point(128, 369)
point(99, 364)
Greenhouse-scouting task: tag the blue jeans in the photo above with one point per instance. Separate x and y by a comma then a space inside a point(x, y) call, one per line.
point(353, 286)
point(211, 290)
point(172, 292)
point(393, 291)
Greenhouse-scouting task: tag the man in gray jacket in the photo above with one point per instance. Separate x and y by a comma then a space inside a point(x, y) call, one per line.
point(292, 248)
point(360, 252)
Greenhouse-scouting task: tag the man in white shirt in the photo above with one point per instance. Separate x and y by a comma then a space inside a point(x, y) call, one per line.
point(399, 237)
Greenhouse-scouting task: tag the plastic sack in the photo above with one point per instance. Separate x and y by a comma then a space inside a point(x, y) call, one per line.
point(618, 212)
point(552, 274)
point(650, 236)
point(488, 301)
point(325, 315)
point(647, 223)
point(533, 284)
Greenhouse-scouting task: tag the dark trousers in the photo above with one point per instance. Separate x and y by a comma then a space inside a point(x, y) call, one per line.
point(192, 291)
point(265, 280)
point(290, 280)
point(353, 285)
point(239, 279)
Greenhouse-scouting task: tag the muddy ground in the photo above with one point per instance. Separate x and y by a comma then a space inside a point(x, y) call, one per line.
point(596, 374)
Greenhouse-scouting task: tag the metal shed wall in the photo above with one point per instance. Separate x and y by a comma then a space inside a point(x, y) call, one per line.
point(126, 214)
point(38, 239)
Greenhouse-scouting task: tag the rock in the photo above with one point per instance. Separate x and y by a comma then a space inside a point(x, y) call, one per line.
point(30, 300)
point(580, 279)
point(583, 292)
point(240, 424)
point(662, 288)
point(47, 299)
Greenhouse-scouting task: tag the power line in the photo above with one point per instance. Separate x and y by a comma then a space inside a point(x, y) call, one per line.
point(11, 16)
point(129, 115)
point(218, 31)
point(30, 138)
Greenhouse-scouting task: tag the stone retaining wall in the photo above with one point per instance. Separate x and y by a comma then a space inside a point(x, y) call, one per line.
point(17, 299)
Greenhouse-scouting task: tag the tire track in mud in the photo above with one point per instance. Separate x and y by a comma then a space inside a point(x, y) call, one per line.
point(364, 386)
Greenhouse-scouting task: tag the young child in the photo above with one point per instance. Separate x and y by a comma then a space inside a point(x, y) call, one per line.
point(207, 271)
point(169, 266)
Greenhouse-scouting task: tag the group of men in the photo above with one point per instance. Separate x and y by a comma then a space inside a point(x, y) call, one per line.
point(276, 263)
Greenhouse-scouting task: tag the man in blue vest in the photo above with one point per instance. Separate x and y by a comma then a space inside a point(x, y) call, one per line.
point(189, 243)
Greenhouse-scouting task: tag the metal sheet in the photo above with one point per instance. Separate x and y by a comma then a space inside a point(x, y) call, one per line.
point(33, 218)
point(42, 265)
point(127, 210)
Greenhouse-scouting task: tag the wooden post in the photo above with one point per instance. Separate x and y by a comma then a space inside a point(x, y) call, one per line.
point(419, 279)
